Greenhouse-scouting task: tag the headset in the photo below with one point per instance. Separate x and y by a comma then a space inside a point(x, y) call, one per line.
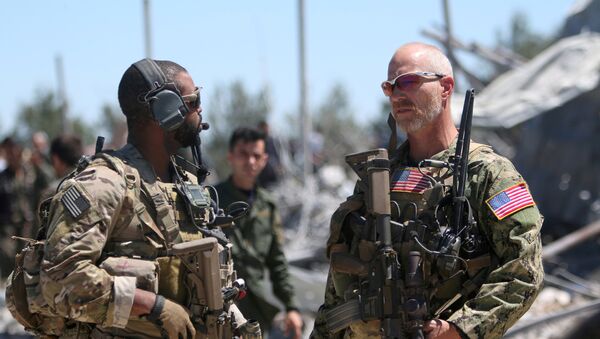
point(165, 101)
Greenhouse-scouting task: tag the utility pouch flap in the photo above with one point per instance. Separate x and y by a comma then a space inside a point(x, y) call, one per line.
point(18, 305)
point(353, 203)
point(16, 298)
point(145, 271)
point(342, 316)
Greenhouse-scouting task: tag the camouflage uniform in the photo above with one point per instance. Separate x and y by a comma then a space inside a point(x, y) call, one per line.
point(17, 212)
point(257, 240)
point(102, 216)
point(511, 282)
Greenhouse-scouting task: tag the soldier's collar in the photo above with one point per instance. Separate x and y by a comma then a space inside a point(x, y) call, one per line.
point(401, 156)
point(132, 156)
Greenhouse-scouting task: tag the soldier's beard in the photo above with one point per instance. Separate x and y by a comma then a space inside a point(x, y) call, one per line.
point(422, 117)
point(187, 134)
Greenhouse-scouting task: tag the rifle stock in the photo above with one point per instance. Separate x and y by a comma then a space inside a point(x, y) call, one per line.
point(201, 258)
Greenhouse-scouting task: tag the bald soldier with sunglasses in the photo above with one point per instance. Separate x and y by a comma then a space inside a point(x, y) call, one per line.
point(495, 284)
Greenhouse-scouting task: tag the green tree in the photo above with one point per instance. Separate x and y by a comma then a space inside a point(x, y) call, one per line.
point(231, 107)
point(342, 135)
point(44, 114)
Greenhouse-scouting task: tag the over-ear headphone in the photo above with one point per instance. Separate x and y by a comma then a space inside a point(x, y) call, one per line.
point(165, 101)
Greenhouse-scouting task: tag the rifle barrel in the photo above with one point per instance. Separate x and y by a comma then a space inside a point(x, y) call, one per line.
point(461, 156)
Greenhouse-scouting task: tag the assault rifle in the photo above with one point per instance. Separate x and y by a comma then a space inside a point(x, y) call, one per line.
point(457, 236)
point(208, 299)
point(381, 282)
point(208, 260)
point(393, 288)
point(460, 235)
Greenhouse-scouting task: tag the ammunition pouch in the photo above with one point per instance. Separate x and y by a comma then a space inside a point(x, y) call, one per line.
point(250, 330)
point(343, 315)
point(19, 299)
point(145, 271)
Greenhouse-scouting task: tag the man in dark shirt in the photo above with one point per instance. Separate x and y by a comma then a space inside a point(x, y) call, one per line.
point(257, 237)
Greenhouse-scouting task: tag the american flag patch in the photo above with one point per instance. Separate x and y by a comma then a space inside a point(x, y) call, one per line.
point(75, 202)
point(511, 200)
point(410, 181)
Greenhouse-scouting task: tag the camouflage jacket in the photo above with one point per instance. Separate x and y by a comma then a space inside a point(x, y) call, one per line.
point(513, 238)
point(257, 246)
point(103, 214)
point(18, 192)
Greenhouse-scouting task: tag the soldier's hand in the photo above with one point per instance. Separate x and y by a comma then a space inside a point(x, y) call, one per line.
point(172, 318)
point(440, 329)
point(293, 324)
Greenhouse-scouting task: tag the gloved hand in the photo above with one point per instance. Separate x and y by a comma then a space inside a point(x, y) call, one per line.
point(172, 318)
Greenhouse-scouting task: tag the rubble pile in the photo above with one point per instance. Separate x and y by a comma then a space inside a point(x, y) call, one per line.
point(557, 314)
point(306, 211)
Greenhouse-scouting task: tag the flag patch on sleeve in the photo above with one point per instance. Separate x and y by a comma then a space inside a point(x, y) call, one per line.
point(410, 181)
point(511, 200)
point(75, 202)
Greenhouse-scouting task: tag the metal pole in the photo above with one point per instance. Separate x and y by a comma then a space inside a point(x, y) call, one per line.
point(304, 114)
point(147, 29)
point(558, 315)
point(448, 24)
point(589, 232)
point(61, 93)
point(456, 64)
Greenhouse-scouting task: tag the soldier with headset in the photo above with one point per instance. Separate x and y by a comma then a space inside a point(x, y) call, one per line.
point(108, 268)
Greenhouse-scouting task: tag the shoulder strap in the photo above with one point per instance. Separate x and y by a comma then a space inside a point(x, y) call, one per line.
point(129, 173)
point(475, 146)
point(353, 203)
point(164, 214)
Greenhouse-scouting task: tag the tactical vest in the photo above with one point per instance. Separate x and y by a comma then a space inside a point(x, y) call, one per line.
point(415, 211)
point(138, 250)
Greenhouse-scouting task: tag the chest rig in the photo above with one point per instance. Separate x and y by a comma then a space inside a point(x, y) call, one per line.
point(194, 260)
point(406, 247)
point(192, 255)
point(163, 237)
point(400, 264)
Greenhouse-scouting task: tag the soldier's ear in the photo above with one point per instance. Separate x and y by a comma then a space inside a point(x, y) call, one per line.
point(447, 83)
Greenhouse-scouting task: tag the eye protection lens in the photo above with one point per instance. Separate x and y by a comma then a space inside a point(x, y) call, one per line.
point(409, 81)
point(193, 100)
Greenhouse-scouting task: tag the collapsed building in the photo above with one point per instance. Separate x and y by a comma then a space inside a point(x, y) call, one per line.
point(545, 117)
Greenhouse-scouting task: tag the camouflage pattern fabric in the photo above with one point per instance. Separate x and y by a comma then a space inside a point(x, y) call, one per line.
point(18, 198)
point(257, 246)
point(510, 287)
point(98, 214)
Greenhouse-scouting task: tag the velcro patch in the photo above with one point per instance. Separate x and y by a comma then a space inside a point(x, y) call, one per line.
point(409, 180)
point(75, 202)
point(510, 200)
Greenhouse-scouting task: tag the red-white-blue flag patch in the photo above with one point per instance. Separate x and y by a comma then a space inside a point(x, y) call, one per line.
point(511, 200)
point(409, 180)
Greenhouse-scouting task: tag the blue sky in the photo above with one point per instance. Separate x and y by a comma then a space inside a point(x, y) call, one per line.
point(347, 42)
